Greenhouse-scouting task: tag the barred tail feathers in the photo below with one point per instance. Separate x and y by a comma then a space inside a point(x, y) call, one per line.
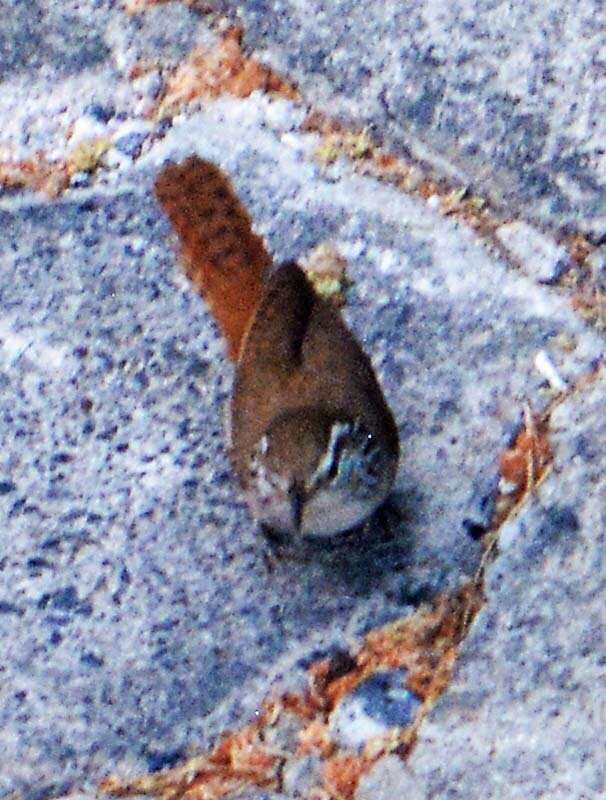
point(223, 258)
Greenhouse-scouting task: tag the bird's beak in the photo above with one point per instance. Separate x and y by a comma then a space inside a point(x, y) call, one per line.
point(296, 496)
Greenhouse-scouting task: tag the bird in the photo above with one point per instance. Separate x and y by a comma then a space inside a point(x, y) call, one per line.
point(311, 438)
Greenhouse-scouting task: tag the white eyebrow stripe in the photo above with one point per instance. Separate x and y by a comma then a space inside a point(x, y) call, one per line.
point(337, 431)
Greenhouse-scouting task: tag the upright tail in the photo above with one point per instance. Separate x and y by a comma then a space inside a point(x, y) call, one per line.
point(223, 258)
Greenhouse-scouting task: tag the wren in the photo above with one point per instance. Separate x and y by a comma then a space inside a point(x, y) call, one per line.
point(312, 440)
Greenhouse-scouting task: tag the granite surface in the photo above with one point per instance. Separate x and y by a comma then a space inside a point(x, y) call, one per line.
point(524, 715)
point(507, 95)
point(140, 612)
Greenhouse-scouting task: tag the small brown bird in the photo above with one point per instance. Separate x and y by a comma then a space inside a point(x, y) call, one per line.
point(312, 440)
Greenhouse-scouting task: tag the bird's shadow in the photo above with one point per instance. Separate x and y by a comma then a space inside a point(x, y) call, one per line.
point(357, 559)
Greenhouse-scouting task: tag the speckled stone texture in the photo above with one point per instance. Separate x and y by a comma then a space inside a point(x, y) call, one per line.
point(140, 614)
point(387, 779)
point(513, 93)
point(137, 604)
point(526, 712)
point(59, 58)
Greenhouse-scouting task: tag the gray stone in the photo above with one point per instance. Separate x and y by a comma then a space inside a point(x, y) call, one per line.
point(141, 613)
point(301, 775)
point(388, 779)
point(524, 714)
point(101, 113)
point(376, 706)
point(41, 34)
point(164, 33)
point(537, 254)
point(60, 60)
point(507, 96)
point(131, 143)
point(55, 65)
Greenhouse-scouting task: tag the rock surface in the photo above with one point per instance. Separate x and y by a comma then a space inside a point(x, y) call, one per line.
point(139, 613)
point(524, 715)
point(510, 94)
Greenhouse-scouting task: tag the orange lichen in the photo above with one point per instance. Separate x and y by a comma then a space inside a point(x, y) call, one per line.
point(315, 738)
point(578, 247)
point(342, 773)
point(425, 644)
point(590, 303)
point(523, 464)
point(239, 760)
point(39, 174)
point(224, 69)
point(36, 173)
point(140, 68)
point(300, 705)
point(327, 675)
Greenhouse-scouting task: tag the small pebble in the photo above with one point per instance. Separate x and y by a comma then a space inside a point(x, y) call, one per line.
point(130, 136)
point(377, 705)
point(130, 144)
point(99, 112)
point(86, 128)
point(80, 180)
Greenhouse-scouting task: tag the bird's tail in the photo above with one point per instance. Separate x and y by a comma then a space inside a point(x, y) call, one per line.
point(224, 259)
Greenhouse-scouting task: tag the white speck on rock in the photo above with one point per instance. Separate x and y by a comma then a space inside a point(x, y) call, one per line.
point(545, 366)
point(117, 160)
point(86, 128)
point(14, 345)
point(352, 250)
point(387, 261)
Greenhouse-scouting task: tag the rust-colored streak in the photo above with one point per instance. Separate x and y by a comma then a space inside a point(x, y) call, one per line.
point(225, 69)
point(223, 258)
